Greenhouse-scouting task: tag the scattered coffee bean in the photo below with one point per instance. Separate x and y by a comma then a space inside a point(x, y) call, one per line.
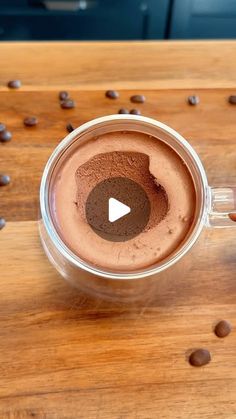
point(135, 112)
point(223, 329)
point(31, 121)
point(4, 180)
point(63, 95)
point(138, 98)
point(2, 223)
point(112, 94)
point(5, 136)
point(2, 127)
point(68, 104)
point(232, 99)
point(200, 357)
point(70, 127)
point(193, 100)
point(232, 216)
point(123, 110)
point(14, 84)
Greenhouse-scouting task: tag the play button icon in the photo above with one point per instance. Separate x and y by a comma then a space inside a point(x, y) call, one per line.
point(117, 209)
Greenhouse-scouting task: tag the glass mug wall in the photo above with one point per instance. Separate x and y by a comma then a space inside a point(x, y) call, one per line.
point(213, 206)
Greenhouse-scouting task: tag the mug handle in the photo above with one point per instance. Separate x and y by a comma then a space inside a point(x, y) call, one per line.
point(222, 207)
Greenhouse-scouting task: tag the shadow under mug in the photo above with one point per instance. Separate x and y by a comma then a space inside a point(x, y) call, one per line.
point(213, 206)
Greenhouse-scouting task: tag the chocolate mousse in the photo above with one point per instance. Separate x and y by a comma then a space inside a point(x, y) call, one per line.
point(142, 159)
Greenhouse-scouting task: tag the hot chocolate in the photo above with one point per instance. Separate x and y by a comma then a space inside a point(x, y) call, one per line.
point(142, 159)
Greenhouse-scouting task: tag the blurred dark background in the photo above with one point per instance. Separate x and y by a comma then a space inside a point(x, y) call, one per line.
point(117, 19)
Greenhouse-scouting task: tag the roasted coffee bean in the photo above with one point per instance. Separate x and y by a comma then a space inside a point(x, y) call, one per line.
point(68, 104)
point(138, 98)
point(30, 121)
point(2, 127)
point(63, 95)
point(223, 329)
point(2, 223)
point(123, 110)
point(5, 136)
point(112, 94)
point(135, 112)
point(4, 180)
point(193, 100)
point(14, 84)
point(200, 357)
point(70, 127)
point(232, 216)
point(232, 99)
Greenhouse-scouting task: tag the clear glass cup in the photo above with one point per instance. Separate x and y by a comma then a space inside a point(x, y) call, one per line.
point(213, 206)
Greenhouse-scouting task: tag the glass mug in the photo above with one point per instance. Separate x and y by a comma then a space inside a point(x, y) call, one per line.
point(213, 206)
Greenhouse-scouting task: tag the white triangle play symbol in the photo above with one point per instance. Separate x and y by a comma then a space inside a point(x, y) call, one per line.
point(116, 210)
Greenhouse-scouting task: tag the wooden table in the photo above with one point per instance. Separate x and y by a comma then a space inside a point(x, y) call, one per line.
point(64, 355)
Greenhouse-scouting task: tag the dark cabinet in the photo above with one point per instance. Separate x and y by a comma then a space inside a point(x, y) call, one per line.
point(116, 19)
point(203, 19)
point(84, 19)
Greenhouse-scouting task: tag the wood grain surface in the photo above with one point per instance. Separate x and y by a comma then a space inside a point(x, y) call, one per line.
point(65, 355)
point(125, 65)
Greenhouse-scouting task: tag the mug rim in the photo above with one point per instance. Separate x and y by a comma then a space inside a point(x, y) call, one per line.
point(67, 253)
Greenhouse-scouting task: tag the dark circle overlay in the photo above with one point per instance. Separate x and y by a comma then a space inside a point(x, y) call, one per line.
point(129, 193)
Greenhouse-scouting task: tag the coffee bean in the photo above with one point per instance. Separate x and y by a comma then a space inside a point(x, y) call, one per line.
point(112, 94)
point(123, 110)
point(30, 121)
point(14, 84)
point(4, 180)
point(138, 98)
point(2, 127)
point(193, 100)
point(68, 104)
point(5, 136)
point(232, 99)
point(232, 216)
point(200, 357)
point(63, 95)
point(223, 329)
point(2, 223)
point(70, 127)
point(135, 112)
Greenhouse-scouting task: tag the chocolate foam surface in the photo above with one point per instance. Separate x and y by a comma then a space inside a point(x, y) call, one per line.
point(147, 161)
